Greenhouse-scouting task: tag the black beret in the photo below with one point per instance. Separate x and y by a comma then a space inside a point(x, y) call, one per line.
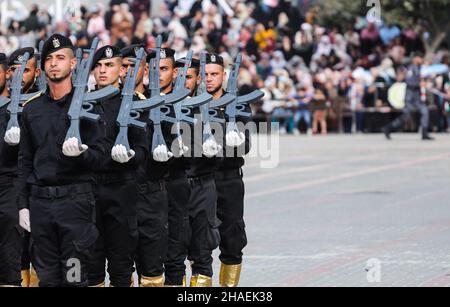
point(106, 52)
point(54, 43)
point(166, 53)
point(16, 55)
point(131, 51)
point(2, 58)
point(213, 58)
point(195, 63)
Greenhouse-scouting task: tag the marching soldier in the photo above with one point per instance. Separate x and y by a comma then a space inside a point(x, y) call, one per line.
point(178, 189)
point(116, 187)
point(12, 139)
point(230, 186)
point(152, 200)
point(413, 101)
point(55, 175)
point(10, 232)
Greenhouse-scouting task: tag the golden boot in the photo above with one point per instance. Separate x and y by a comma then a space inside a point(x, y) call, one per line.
point(34, 280)
point(200, 280)
point(25, 278)
point(157, 281)
point(229, 275)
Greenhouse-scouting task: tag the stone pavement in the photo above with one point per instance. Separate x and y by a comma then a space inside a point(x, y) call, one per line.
point(335, 202)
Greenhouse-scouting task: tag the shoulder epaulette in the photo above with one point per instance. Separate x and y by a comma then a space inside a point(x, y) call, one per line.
point(38, 94)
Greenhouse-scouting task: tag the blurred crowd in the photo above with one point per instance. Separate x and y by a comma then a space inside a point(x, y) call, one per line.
point(317, 78)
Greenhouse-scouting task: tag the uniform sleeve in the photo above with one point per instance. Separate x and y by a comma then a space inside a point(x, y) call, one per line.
point(25, 163)
point(93, 134)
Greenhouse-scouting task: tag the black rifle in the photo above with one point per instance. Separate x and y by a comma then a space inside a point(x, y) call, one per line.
point(82, 102)
point(130, 110)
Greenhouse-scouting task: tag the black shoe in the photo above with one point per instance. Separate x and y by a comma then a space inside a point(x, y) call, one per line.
point(427, 138)
point(387, 132)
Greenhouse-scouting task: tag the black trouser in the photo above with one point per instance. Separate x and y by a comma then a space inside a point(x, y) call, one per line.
point(116, 198)
point(178, 191)
point(230, 211)
point(204, 232)
point(152, 210)
point(63, 234)
point(413, 102)
point(10, 234)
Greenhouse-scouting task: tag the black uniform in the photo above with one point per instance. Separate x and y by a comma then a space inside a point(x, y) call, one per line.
point(204, 234)
point(10, 231)
point(152, 210)
point(116, 198)
point(58, 191)
point(230, 202)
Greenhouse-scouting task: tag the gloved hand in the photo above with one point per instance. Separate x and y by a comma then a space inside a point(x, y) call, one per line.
point(24, 219)
point(162, 154)
point(12, 136)
point(120, 154)
point(72, 149)
point(211, 148)
point(235, 139)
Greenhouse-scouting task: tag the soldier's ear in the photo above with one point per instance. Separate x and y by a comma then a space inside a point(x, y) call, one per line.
point(38, 72)
point(175, 73)
point(73, 63)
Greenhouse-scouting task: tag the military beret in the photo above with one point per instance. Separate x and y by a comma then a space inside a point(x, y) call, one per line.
point(131, 51)
point(2, 58)
point(19, 53)
point(106, 52)
point(55, 43)
point(195, 63)
point(166, 53)
point(212, 58)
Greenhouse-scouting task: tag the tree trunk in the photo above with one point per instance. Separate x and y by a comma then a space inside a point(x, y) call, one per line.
point(431, 48)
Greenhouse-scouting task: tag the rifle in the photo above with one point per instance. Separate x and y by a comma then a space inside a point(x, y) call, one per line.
point(42, 80)
point(207, 113)
point(158, 114)
point(79, 57)
point(130, 110)
point(237, 106)
point(82, 103)
point(15, 107)
point(183, 108)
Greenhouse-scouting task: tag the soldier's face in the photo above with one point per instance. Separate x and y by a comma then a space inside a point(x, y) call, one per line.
point(167, 73)
point(127, 64)
point(59, 65)
point(215, 74)
point(2, 78)
point(29, 74)
point(192, 80)
point(108, 71)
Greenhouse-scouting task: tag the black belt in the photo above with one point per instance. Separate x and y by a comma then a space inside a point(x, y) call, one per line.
point(177, 174)
point(61, 191)
point(114, 177)
point(201, 180)
point(228, 174)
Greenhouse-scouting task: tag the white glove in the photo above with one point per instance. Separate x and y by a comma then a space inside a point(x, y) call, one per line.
point(12, 136)
point(162, 154)
point(24, 219)
point(72, 149)
point(211, 148)
point(120, 154)
point(235, 139)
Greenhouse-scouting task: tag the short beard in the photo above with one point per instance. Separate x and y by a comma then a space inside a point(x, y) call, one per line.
point(59, 79)
point(217, 89)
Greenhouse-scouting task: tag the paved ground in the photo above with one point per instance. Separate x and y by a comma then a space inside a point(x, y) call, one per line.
point(335, 202)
